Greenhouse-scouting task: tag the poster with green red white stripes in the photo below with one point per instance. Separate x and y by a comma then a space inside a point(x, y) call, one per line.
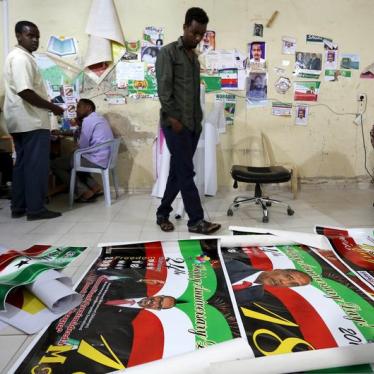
point(141, 302)
point(147, 301)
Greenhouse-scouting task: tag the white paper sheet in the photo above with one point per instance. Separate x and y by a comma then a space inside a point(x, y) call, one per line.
point(103, 21)
point(298, 361)
point(129, 70)
point(196, 362)
point(98, 50)
point(103, 26)
point(253, 240)
point(220, 59)
point(312, 240)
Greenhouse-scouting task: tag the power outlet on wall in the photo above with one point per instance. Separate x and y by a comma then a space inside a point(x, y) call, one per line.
point(361, 103)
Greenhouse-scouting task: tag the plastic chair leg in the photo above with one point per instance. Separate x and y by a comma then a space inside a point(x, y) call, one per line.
point(106, 185)
point(72, 187)
point(115, 181)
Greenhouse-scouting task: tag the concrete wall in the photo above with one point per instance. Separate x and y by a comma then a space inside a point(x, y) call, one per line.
point(329, 147)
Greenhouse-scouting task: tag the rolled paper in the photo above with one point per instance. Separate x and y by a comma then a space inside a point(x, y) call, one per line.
point(196, 362)
point(299, 362)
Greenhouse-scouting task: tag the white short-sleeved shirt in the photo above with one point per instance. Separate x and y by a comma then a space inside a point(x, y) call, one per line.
point(22, 73)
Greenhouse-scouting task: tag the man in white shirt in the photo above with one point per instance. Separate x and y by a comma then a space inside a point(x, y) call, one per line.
point(26, 116)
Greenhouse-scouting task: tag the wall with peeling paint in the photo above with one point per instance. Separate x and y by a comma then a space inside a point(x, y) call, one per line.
point(329, 147)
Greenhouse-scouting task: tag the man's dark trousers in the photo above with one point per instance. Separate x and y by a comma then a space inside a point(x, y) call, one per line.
point(30, 173)
point(182, 147)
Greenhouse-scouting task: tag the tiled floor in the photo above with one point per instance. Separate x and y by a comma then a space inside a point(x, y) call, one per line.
point(132, 218)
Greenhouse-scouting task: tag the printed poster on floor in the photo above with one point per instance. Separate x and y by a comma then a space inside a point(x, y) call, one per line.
point(179, 296)
point(291, 300)
point(170, 296)
point(356, 249)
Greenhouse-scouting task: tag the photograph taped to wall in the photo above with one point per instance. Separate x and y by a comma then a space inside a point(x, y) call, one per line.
point(308, 65)
point(301, 115)
point(256, 91)
point(331, 59)
point(288, 45)
point(349, 61)
point(154, 35)
point(208, 43)
point(306, 90)
point(257, 55)
point(149, 54)
point(258, 29)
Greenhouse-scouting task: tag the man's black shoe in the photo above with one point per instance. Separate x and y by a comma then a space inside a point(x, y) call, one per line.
point(18, 214)
point(45, 214)
point(204, 227)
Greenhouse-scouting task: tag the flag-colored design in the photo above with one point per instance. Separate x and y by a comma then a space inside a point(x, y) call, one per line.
point(23, 267)
point(108, 335)
point(328, 312)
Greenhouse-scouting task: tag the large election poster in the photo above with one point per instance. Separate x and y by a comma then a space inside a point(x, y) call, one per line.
point(290, 299)
point(141, 302)
point(355, 247)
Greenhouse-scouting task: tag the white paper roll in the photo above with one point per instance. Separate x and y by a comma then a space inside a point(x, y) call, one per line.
point(312, 240)
point(55, 291)
point(253, 240)
point(300, 361)
point(196, 362)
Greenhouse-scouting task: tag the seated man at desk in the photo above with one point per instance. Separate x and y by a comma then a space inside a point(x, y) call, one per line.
point(94, 129)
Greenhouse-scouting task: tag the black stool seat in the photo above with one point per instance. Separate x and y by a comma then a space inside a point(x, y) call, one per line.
point(253, 174)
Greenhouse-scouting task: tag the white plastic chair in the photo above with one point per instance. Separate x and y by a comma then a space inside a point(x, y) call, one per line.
point(114, 146)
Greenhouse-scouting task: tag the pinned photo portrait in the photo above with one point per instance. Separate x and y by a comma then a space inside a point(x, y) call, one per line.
point(257, 55)
point(208, 43)
point(149, 54)
point(256, 87)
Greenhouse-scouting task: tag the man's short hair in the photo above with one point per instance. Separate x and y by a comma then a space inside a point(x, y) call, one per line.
point(21, 24)
point(90, 103)
point(301, 272)
point(196, 14)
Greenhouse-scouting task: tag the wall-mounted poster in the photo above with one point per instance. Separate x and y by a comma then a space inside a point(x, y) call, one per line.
point(256, 91)
point(208, 43)
point(288, 45)
point(301, 115)
point(308, 65)
point(350, 61)
point(257, 55)
point(306, 90)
